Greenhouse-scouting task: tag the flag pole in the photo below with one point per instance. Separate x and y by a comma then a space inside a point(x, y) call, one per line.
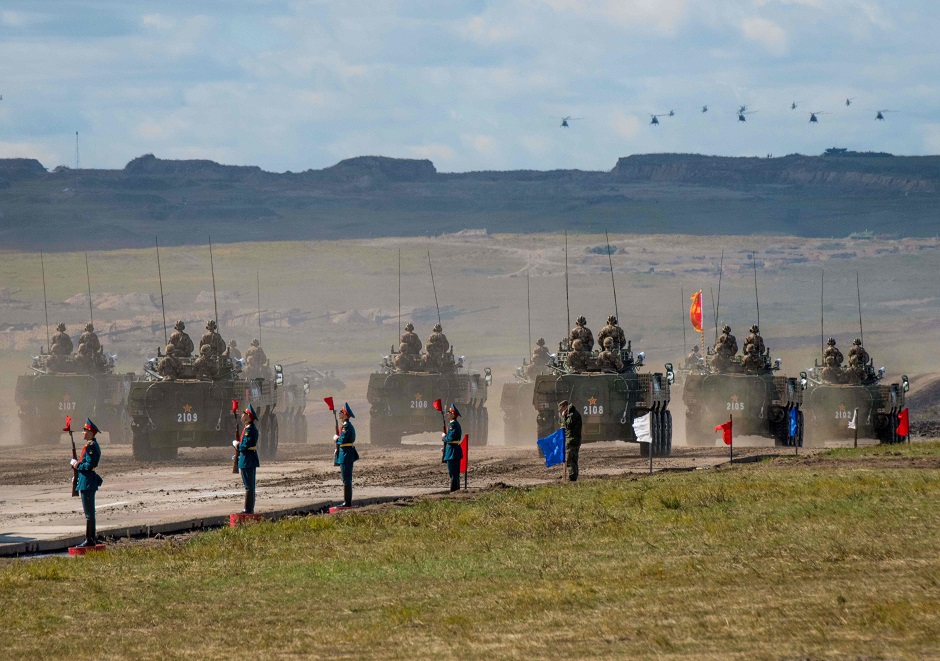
point(466, 473)
point(731, 434)
point(855, 419)
point(651, 453)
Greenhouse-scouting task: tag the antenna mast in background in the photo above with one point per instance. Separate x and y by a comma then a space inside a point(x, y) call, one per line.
point(91, 312)
point(45, 301)
point(162, 304)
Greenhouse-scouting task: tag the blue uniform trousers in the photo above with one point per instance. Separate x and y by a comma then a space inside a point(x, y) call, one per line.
point(88, 504)
point(453, 469)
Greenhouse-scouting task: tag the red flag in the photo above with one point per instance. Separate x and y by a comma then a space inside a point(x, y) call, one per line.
point(68, 422)
point(234, 406)
point(903, 428)
point(725, 430)
point(695, 312)
point(329, 402)
point(464, 446)
point(438, 406)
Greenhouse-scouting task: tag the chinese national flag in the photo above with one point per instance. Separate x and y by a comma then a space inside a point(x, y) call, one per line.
point(464, 445)
point(903, 428)
point(695, 312)
point(725, 430)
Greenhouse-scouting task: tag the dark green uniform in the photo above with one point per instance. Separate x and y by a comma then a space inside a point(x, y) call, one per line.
point(572, 425)
point(87, 486)
point(453, 453)
point(346, 456)
point(248, 464)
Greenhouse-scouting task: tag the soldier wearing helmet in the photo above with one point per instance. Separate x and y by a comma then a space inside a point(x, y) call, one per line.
point(832, 359)
point(583, 333)
point(694, 359)
point(577, 359)
point(753, 349)
point(609, 359)
point(212, 339)
point(90, 339)
point(437, 346)
point(170, 366)
point(255, 360)
point(410, 340)
point(858, 359)
point(725, 349)
point(180, 341)
point(614, 331)
point(233, 350)
point(206, 365)
point(61, 342)
point(405, 361)
point(540, 354)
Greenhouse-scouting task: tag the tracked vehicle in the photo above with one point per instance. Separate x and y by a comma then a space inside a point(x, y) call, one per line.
point(401, 402)
point(608, 402)
point(759, 401)
point(60, 385)
point(195, 410)
point(830, 406)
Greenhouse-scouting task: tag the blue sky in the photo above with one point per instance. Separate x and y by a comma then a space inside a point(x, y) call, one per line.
point(469, 84)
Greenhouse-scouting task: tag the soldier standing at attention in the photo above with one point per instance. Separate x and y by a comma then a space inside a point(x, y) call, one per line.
point(452, 452)
point(571, 422)
point(583, 333)
point(411, 340)
point(614, 331)
point(88, 479)
point(212, 339)
point(182, 344)
point(61, 342)
point(233, 350)
point(346, 453)
point(248, 457)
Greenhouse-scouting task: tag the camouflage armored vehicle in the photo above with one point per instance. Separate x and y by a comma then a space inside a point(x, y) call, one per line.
point(401, 401)
point(301, 381)
point(195, 410)
point(515, 402)
point(61, 385)
point(759, 401)
point(608, 401)
point(831, 399)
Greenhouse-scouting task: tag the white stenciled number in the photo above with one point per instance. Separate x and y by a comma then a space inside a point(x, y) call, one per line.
point(66, 406)
point(594, 410)
point(735, 406)
point(843, 415)
point(187, 417)
point(419, 404)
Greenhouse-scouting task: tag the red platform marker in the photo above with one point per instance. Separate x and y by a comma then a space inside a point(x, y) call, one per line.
point(340, 508)
point(237, 519)
point(82, 550)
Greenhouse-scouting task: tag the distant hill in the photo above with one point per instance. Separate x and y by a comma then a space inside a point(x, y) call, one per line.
point(834, 194)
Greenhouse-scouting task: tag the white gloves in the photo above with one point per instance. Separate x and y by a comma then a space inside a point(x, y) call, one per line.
point(335, 437)
point(73, 463)
point(443, 436)
point(234, 444)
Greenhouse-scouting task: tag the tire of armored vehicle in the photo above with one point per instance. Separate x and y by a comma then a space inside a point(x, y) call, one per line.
point(608, 403)
point(830, 407)
point(44, 398)
point(401, 403)
point(759, 402)
point(197, 412)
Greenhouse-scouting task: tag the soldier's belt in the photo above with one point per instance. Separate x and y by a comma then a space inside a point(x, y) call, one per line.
point(451, 442)
point(251, 448)
point(346, 445)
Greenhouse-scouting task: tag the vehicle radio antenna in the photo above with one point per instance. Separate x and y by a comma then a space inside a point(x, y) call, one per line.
point(91, 312)
point(45, 301)
point(612, 283)
point(861, 333)
point(567, 303)
point(162, 303)
point(682, 313)
point(721, 269)
point(822, 312)
point(215, 302)
point(528, 303)
point(431, 269)
point(399, 292)
point(258, 281)
point(756, 297)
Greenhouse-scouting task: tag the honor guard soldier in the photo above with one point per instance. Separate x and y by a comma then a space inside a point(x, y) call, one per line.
point(248, 457)
point(88, 480)
point(182, 343)
point(614, 331)
point(346, 454)
point(583, 333)
point(452, 452)
point(571, 423)
point(212, 339)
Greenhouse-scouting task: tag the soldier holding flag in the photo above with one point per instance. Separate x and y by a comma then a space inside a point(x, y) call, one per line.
point(248, 462)
point(452, 453)
point(346, 453)
point(88, 479)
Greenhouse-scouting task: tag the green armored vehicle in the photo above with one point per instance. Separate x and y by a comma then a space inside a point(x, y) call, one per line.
point(301, 381)
point(61, 385)
point(609, 401)
point(515, 402)
point(760, 402)
point(194, 408)
point(401, 399)
point(834, 394)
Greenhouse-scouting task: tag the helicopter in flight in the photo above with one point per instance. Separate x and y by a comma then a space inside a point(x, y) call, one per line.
point(812, 116)
point(879, 114)
point(742, 112)
point(848, 102)
point(794, 105)
point(654, 119)
point(704, 108)
point(565, 120)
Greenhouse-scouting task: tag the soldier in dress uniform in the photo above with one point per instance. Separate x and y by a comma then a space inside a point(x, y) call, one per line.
point(832, 359)
point(61, 342)
point(571, 422)
point(207, 363)
point(346, 454)
point(725, 349)
point(182, 344)
point(858, 359)
point(753, 349)
point(212, 339)
point(452, 452)
point(88, 479)
point(614, 331)
point(609, 359)
point(411, 340)
point(233, 350)
point(577, 359)
point(248, 462)
point(583, 333)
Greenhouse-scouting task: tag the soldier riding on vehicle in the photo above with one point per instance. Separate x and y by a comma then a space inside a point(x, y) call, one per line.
point(206, 365)
point(170, 366)
point(540, 358)
point(61, 342)
point(725, 349)
point(233, 351)
point(577, 359)
point(858, 360)
point(694, 359)
point(609, 359)
point(437, 346)
point(614, 331)
point(832, 359)
point(406, 361)
point(583, 333)
point(753, 349)
point(182, 345)
point(212, 339)
point(410, 340)
point(256, 361)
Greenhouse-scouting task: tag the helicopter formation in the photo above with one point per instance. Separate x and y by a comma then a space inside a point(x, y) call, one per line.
point(743, 111)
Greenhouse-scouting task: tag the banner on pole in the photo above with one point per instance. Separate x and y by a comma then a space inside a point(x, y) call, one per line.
point(464, 446)
point(725, 430)
point(695, 312)
point(903, 423)
point(553, 447)
point(641, 427)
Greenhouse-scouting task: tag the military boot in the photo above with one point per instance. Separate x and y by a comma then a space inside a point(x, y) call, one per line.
point(89, 540)
point(347, 495)
point(247, 508)
point(250, 502)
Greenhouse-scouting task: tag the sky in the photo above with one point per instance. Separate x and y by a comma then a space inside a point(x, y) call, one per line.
point(468, 84)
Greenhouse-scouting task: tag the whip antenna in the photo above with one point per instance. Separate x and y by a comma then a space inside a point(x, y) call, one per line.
point(714, 312)
point(861, 333)
point(756, 298)
point(91, 313)
point(399, 293)
point(258, 280)
point(822, 334)
point(430, 268)
point(528, 303)
point(721, 269)
point(162, 304)
point(215, 302)
point(612, 283)
point(682, 313)
point(45, 303)
point(567, 304)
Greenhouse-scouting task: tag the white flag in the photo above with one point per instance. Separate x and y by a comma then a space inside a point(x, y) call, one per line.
point(852, 421)
point(641, 427)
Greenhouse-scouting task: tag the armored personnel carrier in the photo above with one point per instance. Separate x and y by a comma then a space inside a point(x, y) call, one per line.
point(759, 401)
point(60, 385)
point(608, 401)
point(515, 403)
point(401, 401)
point(194, 409)
point(834, 394)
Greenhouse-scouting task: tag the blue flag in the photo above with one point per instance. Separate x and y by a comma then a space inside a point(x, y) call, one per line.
point(794, 427)
point(553, 447)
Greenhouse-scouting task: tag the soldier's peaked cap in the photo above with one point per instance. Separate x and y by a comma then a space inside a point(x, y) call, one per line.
point(251, 412)
point(563, 403)
point(348, 410)
point(453, 409)
point(858, 341)
point(90, 426)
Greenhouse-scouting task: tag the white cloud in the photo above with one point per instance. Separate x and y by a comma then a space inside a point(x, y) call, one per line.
point(626, 126)
point(157, 21)
point(482, 144)
point(27, 150)
point(765, 32)
point(661, 15)
point(486, 31)
point(436, 152)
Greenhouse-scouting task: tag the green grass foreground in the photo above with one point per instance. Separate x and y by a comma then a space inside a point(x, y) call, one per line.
point(754, 561)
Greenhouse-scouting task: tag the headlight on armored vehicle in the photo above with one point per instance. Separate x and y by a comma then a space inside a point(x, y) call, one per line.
point(640, 357)
point(905, 383)
point(777, 362)
point(881, 372)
